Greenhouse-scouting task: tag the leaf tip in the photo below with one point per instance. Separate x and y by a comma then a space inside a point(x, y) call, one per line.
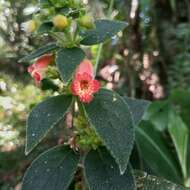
point(27, 149)
point(122, 170)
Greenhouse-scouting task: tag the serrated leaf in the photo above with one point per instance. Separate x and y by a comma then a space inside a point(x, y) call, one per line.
point(110, 116)
point(179, 134)
point(44, 117)
point(102, 172)
point(104, 30)
point(155, 152)
point(45, 27)
point(39, 52)
point(149, 182)
point(137, 108)
point(52, 170)
point(67, 61)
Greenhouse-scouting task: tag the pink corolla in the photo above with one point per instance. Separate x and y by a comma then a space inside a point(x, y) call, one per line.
point(84, 85)
point(38, 69)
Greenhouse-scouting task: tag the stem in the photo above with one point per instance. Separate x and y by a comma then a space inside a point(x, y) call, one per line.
point(110, 8)
point(100, 47)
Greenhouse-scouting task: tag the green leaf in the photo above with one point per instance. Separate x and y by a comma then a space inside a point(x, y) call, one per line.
point(102, 172)
point(110, 116)
point(104, 30)
point(44, 117)
point(39, 52)
point(155, 152)
point(157, 114)
point(180, 98)
point(47, 84)
point(149, 182)
point(179, 134)
point(45, 27)
point(137, 108)
point(45, 3)
point(52, 170)
point(67, 61)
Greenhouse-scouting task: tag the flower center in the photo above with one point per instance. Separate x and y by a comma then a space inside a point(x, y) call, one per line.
point(84, 84)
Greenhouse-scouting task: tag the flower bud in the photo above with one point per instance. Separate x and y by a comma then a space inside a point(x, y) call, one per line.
point(31, 26)
point(38, 69)
point(87, 21)
point(60, 21)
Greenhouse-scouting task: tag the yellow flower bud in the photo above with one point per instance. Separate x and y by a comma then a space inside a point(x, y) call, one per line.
point(31, 26)
point(60, 21)
point(87, 21)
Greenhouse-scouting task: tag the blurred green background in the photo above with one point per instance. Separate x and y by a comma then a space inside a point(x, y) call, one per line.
point(150, 60)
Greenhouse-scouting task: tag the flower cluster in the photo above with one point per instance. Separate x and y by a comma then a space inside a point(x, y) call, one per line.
point(83, 85)
point(66, 28)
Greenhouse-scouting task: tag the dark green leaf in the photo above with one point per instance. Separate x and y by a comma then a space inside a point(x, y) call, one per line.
point(67, 61)
point(53, 170)
point(47, 84)
point(137, 108)
point(45, 27)
point(104, 30)
point(110, 116)
point(102, 172)
point(156, 153)
point(179, 134)
point(44, 117)
point(148, 182)
point(39, 52)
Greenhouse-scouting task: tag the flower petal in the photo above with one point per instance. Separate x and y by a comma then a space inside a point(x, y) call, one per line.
point(85, 67)
point(96, 86)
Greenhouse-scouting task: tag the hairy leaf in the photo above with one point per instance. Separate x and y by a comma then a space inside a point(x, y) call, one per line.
point(67, 61)
point(52, 170)
point(44, 117)
point(104, 30)
point(39, 52)
point(110, 116)
point(137, 108)
point(102, 172)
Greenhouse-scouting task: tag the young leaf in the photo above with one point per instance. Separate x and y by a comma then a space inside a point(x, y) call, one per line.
point(44, 117)
point(39, 52)
point(149, 182)
point(156, 153)
point(67, 61)
point(104, 30)
point(110, 116)
point(179, 134)
point(53, 169)
point(102, 172)
point(137, 108)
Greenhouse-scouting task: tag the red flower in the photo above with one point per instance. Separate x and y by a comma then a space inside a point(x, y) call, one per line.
point(38, 69)
point(84, 84)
